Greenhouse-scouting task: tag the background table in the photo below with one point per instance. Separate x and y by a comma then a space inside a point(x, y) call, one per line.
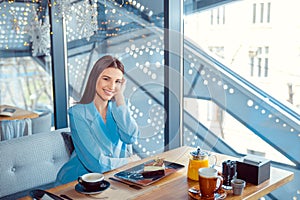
point(18, 114)
point(17, 125)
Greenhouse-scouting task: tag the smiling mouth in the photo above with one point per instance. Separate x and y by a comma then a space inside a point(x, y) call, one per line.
point(110, 93)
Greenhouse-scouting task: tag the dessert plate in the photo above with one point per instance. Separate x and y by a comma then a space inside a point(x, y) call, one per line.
point(134, 174)
point(79, 188)
point(194, 193)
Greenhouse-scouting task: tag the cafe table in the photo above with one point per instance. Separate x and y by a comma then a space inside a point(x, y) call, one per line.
point(18, 114)
point(173, 186)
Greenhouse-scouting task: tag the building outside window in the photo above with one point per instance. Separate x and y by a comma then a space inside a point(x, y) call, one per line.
point(260, 45)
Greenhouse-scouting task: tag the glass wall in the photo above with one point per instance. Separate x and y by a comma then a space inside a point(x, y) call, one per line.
point(26, 84)
point(25, 60)
point(247, 37)
point(131, 31)
point(247, 49)
point(243, 62)
point(241, 67)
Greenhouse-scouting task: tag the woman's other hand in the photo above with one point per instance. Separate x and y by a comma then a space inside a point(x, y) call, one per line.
point(119, 96)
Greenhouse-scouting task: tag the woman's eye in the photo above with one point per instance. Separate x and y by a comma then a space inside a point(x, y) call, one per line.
point(118, 81)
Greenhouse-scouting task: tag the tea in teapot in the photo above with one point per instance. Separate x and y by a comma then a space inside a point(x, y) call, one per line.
point(198, 159)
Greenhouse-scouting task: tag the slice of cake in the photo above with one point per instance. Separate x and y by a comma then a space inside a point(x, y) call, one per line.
point(153, 169)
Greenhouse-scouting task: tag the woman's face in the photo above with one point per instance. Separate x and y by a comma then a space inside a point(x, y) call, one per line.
point(109, 83)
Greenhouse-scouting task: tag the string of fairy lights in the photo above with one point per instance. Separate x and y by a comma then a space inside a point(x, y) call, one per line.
point(27, 23)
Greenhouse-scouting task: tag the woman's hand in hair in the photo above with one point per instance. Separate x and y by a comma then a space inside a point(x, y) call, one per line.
point(119, 97)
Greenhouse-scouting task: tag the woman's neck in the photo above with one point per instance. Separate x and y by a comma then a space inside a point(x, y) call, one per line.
point(101, 107)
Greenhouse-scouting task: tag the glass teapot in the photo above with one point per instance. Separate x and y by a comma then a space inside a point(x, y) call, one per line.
point(198, 159)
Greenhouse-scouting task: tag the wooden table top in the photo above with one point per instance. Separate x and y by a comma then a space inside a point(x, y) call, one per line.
point(18, 114)
point(174, 186)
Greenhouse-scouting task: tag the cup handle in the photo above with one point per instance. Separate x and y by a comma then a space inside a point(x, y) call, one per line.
point(79, 179)
point(220, 183)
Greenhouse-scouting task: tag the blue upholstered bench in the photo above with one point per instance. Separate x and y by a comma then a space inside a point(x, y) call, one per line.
point(31, 162)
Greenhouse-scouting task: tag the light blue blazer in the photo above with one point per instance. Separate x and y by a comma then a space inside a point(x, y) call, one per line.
point(99, 147)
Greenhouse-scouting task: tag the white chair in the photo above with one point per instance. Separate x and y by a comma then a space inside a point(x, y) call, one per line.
point(15, 128)
point(42, 123)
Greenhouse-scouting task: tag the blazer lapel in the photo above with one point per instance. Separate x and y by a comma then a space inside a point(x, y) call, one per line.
point(90, 112)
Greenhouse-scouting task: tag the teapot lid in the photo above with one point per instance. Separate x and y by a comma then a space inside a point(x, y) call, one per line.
point(199, 154)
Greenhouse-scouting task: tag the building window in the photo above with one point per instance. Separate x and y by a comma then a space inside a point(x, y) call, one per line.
point(217, 16)
point(254, 13)
point(261, 13)
point(268, 12)
point(259, 61)
point(259, 67)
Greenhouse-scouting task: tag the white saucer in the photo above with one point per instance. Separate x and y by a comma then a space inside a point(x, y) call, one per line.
point(79, 188)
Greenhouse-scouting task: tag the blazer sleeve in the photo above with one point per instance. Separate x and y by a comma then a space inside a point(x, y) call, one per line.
point(127, 126)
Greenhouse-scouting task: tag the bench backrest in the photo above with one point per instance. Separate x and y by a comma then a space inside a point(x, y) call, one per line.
point(30, 161)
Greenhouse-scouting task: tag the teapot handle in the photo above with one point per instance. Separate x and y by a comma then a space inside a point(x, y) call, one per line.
point(212, 160)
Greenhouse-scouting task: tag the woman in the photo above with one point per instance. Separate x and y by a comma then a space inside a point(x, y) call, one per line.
point(101, 125)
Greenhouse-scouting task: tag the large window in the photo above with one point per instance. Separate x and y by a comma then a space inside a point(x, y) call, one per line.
point(264, 56)
point(242, 65)
point(131, 31)
point(25, 60)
